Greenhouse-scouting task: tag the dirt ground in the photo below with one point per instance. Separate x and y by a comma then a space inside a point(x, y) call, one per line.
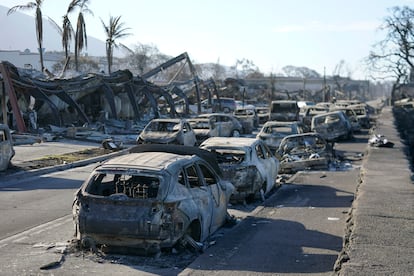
point(53, 160)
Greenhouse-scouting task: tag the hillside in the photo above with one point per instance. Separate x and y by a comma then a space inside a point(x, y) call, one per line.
point(18, 32)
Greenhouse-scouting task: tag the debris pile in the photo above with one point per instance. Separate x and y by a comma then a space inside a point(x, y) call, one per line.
point(378, 140)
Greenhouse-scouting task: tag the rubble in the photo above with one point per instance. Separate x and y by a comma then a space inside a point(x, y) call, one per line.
point(379, 140)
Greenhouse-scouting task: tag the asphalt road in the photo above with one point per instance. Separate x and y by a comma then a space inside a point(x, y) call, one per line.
point(36, 226)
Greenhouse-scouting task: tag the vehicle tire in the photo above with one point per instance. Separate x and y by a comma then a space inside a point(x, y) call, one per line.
point(192, 244)
point(226, 110)
point(189, 239)
point(235, 133)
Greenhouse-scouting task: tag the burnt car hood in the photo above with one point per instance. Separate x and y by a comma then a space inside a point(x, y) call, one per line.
point(158, 137)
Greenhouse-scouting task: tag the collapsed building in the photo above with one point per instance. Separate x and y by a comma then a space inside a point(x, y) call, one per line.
point(31, 101)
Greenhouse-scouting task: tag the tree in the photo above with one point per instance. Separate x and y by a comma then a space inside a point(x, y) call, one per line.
point(247, 67)
point(39, 23)
point(85, 64)
point(342, 69)
point(66, 32)
point(144, 57)
point(114, 31)
point(81, 39)
point(300, 72)
point(393, 57)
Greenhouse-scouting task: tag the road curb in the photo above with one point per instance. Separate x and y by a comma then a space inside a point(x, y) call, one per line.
point(62, 167)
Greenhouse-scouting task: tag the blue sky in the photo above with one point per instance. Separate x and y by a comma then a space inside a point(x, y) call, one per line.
point(272, 33)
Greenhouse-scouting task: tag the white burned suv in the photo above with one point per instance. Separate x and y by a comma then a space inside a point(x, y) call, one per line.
point(167, 131)
point(247, 163)
point(157, 196)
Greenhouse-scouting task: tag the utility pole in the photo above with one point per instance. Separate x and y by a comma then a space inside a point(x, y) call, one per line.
point(272, 86)
point(324, 85)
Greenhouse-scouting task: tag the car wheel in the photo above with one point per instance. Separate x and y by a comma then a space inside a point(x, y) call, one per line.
point(189, 239)
point(226, 110)
point(191, 243)
point(235, 133)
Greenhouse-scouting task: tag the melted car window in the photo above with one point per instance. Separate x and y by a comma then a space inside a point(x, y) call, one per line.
point(192, 177)
point(163, 126)
point(200, 125)
point(230, 156)
point(209, 176)
point(133, 186)
point(259, 152)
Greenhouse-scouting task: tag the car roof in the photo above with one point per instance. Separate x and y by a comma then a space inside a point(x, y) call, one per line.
point(213, 114)
point(279, 123)
point(145, 160)
point(230, 141)
point(196, 119)
point(179, 150)
point(175, 120)
point(284, 101)
point(307, 134)
point(341, 112)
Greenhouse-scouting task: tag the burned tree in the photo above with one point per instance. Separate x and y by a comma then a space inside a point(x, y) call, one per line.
point(393, 57)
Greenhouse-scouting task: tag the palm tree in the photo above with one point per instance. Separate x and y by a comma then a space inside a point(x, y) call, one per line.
point(39, 23)
point(81, 39)
point(66, 32)
point(114, 31)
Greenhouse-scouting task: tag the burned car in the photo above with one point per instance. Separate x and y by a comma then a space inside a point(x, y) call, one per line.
point(156, 197)
point(362, 114)
point(262, 114)
point(167, 131)
point(332, 126)
point(6, 147)
point(247, 163)
point(202, 128)
point(221, 124)
point(308, 112)
point(304, 151)
point(352, 117)
point(273, 132)
point(247, 117)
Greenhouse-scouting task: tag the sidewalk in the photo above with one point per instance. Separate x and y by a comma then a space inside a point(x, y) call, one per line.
point(381, 228)
point(65, 146)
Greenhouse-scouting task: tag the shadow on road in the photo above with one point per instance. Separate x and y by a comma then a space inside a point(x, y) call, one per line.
point(287, 250)
point(310, 195)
